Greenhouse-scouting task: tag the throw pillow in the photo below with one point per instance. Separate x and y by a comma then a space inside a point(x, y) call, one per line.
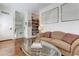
point(70, 38)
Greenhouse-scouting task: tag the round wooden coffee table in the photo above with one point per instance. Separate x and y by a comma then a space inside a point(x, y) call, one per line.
point(47, 50)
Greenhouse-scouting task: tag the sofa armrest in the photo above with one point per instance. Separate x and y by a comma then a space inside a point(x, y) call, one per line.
point(39, 35)
point(74, 45)
point(76, 51)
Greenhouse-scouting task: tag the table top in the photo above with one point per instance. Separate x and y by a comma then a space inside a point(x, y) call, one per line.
point(47, 49)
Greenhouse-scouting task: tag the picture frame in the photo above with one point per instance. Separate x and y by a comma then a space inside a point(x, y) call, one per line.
point(68, 13)
point(51, 16)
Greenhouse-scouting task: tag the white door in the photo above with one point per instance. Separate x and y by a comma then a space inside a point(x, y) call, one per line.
point(19, 24)
point(6, 26)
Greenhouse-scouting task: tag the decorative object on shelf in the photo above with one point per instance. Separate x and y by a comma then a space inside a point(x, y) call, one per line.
point(50, 16)
point(69, 12)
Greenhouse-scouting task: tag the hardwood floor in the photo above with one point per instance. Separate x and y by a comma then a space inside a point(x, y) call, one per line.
point(11, 47)
point(18, 50)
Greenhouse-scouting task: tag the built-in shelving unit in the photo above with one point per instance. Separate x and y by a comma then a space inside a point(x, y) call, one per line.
point(35, 24)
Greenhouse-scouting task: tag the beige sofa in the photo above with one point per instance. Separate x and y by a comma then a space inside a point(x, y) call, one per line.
point(67, 43)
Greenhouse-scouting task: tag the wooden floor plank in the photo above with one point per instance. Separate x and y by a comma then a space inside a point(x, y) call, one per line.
point(11, 47)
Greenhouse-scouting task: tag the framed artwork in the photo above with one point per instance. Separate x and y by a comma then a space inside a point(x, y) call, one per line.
point(50, 16)
point(69, 12)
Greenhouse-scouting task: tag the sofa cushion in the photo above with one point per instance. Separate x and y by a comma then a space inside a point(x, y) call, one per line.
point(57, 35)
point(46, 39)
point(70, 38)
point(46, 34)
point(61, 44)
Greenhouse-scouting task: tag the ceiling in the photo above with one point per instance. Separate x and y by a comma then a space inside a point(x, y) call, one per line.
point(24, 6)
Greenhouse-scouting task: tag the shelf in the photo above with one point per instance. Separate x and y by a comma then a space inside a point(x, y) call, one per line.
point(35, 25)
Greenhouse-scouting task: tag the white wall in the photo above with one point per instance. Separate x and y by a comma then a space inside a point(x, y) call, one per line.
point(70, 26)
